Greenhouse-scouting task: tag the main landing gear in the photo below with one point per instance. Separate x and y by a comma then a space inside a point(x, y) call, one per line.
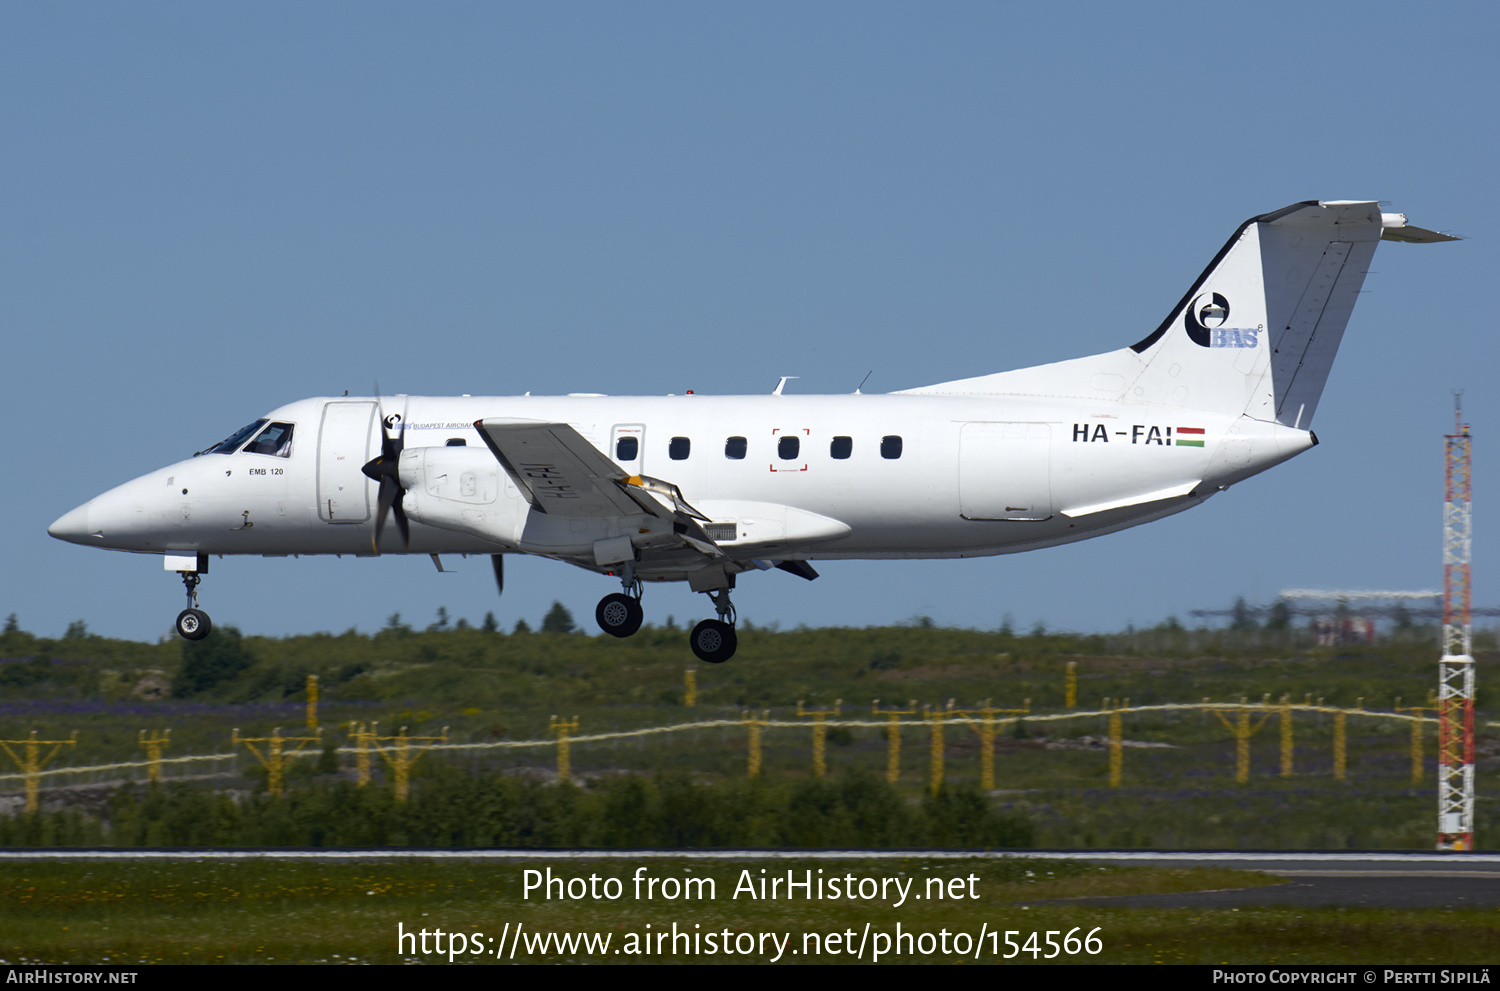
point(714, 640)
point(192, 622)
point(619, 614)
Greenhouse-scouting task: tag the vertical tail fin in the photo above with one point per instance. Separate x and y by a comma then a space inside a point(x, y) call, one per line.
point(1262, 324)
point(1256, 334)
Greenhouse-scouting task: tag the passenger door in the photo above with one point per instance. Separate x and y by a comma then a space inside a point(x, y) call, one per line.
point(344, 446)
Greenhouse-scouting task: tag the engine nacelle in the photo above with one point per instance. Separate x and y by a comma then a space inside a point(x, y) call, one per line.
point(462, 489)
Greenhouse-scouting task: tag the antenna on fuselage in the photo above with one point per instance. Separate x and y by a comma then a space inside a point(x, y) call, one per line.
point(862, 382)
point(782, 384)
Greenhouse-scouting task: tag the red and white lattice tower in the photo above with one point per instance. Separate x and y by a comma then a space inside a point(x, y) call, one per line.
point(1456, 668)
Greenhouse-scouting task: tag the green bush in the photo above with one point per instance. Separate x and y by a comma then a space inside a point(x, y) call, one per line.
point(449, 809)
point(219, 657)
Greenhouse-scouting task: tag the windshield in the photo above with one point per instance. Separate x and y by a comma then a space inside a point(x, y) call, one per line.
point(275, 439)
point(229, 444)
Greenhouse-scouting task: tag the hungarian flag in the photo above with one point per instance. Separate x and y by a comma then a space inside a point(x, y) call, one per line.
point(1194, 438)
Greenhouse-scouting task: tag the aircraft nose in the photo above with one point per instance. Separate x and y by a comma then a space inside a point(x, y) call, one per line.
point(73, 526)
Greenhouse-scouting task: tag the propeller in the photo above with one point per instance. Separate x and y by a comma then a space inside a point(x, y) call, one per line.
point(385, 469)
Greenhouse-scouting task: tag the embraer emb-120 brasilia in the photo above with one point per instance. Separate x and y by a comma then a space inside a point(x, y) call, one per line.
point(703, 489)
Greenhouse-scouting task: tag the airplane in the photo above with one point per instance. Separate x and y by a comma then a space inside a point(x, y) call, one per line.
point(1223, 389)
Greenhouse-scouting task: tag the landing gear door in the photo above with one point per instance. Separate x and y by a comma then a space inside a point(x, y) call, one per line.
point(627, 446)
point(345, 441)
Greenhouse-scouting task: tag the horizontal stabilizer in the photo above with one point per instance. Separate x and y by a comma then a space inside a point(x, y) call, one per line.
point(1415, 235)
point(1395, 228)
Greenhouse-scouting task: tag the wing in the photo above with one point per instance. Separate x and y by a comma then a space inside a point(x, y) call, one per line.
point(561, 474)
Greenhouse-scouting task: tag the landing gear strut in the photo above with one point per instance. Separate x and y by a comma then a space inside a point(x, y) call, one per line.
point(192, 622)
point(619, 614)
point(714, 640)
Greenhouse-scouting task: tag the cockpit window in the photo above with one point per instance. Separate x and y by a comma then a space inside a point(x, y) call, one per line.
point(231, 443)
point(275, 440)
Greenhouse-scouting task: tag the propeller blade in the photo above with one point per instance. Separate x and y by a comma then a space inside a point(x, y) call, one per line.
point(389, 493)
point(385, 469)
point(403, 525)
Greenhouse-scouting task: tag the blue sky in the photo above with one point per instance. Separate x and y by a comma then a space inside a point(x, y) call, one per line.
point(210, 210)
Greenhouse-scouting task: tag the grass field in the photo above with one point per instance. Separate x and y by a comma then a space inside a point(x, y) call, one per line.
point(1180, 793)
point(268, 911)
point(498, 691)
point(1178, 789)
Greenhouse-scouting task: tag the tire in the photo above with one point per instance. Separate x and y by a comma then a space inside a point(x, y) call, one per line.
point(619, 615)
point(193, 624)
point(713, 641)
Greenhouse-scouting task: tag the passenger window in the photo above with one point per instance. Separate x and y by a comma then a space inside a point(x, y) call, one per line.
point(626, 448)
point(890, 447)
point(457, 442)
point(788, 446)
point(678, 449)
point(734, 448)
point(275, 440)
point(841, 448)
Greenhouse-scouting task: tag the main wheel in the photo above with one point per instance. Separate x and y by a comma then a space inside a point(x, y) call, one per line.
point(619, 615)
point(713, 641)
point(193, 624)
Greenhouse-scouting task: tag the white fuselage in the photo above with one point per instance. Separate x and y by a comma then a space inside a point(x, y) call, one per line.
point(967, 475)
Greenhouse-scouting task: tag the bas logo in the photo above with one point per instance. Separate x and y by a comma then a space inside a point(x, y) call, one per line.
point(1204, 314)
point(1204, 321)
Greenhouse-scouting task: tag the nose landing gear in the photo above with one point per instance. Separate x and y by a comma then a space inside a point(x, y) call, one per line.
point(192, 622)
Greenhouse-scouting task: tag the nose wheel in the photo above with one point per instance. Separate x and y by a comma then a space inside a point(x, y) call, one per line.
point(192, 622)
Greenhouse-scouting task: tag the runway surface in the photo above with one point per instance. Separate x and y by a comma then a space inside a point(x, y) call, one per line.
point(1313, 879)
